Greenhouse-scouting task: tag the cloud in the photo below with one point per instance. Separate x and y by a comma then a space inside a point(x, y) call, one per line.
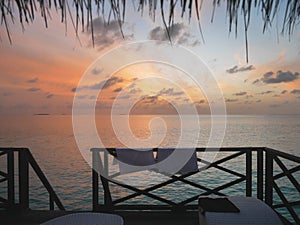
point(150, 100)
point(295, 92)
point(179, 33)
point(231, 100)
point(135, 90)
point(278, 105)
point(117, 89)
point(82, 96)
point(33, 89)
point(240, 93)
point(280, 77)
point(258, 100)
point(107, 83)
point(34, 80)
point(202, 101)
point(265, 92)
point(153, 105)
point(248, 102)
point(49, 95)
point(256, 81)
point(124, 97)
point(237, 69)
point(283, 92)
point(101, 85)
point(96, 71)
point(169, 91)
point(108, 33)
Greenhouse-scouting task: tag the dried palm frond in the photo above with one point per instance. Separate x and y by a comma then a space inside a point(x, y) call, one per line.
point(26, 10)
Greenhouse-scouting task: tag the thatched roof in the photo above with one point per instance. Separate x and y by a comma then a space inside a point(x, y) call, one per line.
point(27, 10)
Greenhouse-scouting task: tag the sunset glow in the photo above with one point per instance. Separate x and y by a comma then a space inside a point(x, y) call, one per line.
point(41, 68)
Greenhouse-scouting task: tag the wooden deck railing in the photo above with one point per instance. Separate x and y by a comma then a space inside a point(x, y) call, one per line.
point(258, 176)
point(25, 159)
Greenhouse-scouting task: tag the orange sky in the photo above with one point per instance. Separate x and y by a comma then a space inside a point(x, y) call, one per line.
point(42, 67)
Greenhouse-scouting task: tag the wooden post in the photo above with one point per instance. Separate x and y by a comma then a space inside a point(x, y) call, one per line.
point(269, 178)
point(10, 178)
point(51, 202)
point(260, 174)
point(43, 179)
point(95, 180)
point(249, 173)
point(23, 179)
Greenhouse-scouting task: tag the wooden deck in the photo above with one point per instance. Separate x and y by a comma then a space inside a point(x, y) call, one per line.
point(34, 217)
point(261, 180)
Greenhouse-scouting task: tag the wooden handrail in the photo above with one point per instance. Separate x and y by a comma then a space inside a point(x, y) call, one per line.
point(25, 160)
point(265, 180)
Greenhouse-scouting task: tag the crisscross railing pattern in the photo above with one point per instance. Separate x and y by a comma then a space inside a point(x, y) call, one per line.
point(25, 159)
point(255, 174)
point(275, 158)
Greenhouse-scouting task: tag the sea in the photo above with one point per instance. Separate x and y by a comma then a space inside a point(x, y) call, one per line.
point(52, 142)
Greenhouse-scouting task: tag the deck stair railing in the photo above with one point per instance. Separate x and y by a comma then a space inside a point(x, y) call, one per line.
point(10, 175)
point(255, 174)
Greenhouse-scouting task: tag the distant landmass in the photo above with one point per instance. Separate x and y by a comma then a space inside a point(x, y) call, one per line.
point(41, 114)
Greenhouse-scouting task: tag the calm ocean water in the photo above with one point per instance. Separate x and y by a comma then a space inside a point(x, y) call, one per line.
point(52, 143)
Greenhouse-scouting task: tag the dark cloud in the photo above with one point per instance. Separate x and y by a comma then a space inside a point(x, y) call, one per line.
point(202, 101)
point(96, 71)
point(33, 89)
point(276, 95)
point(242, 93)
point(101, 85)
point(256, 81)
point(179, 33)
point(107, 34)
point(150, 99)
point(268, 74)
point(279, 77)
point(106, 83)
point(266, 92)
point(249, 96)
point(34, 80)
point(258, 100)
point(169, 91)
point(49, 95)
point(231, 100)
point(295, 92)
point(118, 89)
point(237, 69)
point(283, 92)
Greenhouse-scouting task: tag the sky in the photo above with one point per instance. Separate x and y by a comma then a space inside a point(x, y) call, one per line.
point(41, 69)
